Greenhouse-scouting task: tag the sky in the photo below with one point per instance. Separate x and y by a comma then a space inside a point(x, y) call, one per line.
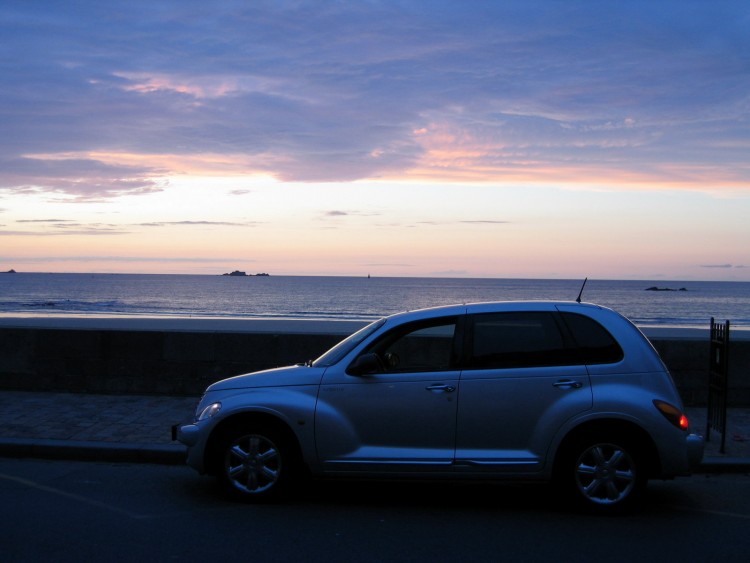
point(531, 138)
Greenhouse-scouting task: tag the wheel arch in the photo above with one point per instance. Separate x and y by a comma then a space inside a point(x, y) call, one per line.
point(614, 428)
point(259, 419)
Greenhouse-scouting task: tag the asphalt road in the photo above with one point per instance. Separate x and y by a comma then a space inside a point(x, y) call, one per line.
point(87, 511)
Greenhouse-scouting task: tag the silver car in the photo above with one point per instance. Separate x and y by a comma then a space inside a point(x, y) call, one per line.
point(567, 393)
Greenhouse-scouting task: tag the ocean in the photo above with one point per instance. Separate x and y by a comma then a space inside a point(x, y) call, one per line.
point(677, 303)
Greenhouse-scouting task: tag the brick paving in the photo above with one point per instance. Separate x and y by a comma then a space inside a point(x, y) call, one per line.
point(92, 418)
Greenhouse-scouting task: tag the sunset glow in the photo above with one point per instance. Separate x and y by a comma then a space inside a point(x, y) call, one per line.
point(513, 139)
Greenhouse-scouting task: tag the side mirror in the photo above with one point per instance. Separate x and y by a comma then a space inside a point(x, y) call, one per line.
point(366, 364)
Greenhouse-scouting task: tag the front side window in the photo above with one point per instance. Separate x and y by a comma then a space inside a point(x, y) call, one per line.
point(347, 345)
point(518, 340)
point(417, 347)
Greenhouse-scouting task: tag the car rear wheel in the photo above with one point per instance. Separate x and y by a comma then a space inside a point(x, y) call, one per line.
point(603, 474)
point(256, 464)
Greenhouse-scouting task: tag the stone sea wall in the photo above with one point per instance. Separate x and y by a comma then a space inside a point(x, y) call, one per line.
point(182, 359)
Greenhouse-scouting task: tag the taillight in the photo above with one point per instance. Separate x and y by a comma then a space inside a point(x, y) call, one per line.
point(673, 414)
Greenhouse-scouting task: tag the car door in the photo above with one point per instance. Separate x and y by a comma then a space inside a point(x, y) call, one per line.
point(399, 416)
point(523, 381)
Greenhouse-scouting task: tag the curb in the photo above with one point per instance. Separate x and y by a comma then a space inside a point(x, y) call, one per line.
point(174, 454)
point(93, 451)
point(715, 464)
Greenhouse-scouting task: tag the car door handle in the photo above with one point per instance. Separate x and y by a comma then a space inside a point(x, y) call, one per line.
point(568, 384)
point(441, 387)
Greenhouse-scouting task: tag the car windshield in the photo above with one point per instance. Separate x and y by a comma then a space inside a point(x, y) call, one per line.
point(347, 345)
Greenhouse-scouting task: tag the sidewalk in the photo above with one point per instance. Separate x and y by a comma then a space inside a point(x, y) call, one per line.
point(130, 428)
point(136, 429)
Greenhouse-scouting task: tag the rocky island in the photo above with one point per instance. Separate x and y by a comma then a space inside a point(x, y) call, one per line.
point(240, 273)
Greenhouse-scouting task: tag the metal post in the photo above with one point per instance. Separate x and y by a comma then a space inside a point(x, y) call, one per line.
point(718, 385)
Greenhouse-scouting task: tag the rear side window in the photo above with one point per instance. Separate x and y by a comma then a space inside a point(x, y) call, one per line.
point(595, 344)
point(517, 340)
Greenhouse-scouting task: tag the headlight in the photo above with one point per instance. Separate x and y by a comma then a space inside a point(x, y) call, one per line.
point(209, 411)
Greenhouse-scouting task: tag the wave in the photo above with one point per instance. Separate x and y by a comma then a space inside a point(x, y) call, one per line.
point(353, 298)
point(60, 305)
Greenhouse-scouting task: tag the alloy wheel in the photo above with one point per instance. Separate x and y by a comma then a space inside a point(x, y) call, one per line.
point(605, 474)
point(252, 464)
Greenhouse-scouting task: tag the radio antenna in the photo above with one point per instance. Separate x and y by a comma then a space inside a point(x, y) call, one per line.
point(578, 299)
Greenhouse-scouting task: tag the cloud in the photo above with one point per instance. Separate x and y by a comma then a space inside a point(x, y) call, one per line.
point(449, 273)
point(466, 222)
point(721, 266)
point(122, 259)
point(197, 223)
point(43, 221)
point(344, 91)
point(485, 222)
point(69, 227)
point(88, 231)
point(57, 227)
point(387, 265)
point(85, 179)
point(341, 213)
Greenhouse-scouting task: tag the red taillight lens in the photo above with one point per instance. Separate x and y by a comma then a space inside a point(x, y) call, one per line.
point(684, 422)
point(673, 414)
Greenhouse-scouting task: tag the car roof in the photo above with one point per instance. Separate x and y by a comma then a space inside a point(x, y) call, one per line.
point(492, 307)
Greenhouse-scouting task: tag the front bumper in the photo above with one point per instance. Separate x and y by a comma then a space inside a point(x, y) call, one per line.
point(185, 433)
point(194, 437)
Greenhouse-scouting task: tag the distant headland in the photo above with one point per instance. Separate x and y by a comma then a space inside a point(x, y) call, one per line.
point(239, 273)
point(654, 288)
point(11, 271)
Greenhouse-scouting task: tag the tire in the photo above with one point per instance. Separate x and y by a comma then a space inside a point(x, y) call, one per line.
point(603, 474)
point(256, 464)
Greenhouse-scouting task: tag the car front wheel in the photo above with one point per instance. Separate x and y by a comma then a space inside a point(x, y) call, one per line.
point(256, 463)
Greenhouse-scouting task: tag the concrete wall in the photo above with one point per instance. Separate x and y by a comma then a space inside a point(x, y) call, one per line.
point(185, 362)
point(688, 361)
point(143, 362)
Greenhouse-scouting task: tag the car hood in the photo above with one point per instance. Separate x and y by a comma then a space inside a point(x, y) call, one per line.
point(279, 377)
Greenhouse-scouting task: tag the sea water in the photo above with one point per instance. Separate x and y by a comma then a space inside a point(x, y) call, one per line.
point(676, 303)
